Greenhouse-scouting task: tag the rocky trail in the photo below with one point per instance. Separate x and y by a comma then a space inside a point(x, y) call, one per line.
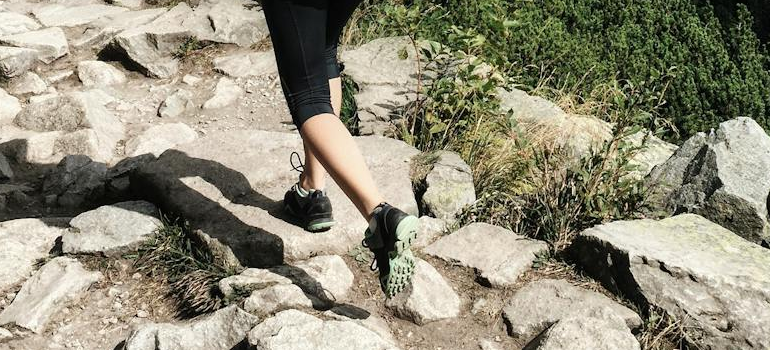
point(112, 113)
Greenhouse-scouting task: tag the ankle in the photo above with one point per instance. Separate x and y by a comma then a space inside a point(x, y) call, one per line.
point(308, 185)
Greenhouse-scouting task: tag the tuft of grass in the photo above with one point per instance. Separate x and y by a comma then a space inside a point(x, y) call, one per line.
point(189, 47)
point(348, 113)
point(661, 331)
point(172, 255)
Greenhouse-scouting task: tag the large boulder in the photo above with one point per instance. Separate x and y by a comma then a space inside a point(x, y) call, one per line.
point(499, 255)
point(653, 152)
point(428, 297)
point(76, 180)
point(111, 229)
point(722, 176)
point(711, 279)
point(230, 186)
point(59, 282)
point(24, 241)
point(449, 186)
point(385, 78)
point(540, 304)
point(50, 43)
point(292, 329)
point(577, 134)
point(225, 329)
point(98, 34)
point(86, 126)
point(229, 22)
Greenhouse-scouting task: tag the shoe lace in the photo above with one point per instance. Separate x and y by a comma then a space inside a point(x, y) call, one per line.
point(373, 266)
point(301, 166)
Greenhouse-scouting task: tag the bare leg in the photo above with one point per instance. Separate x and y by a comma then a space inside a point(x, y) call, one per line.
point(314, 175)
point(335, 148)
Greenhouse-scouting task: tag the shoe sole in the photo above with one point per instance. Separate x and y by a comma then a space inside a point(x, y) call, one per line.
point(402, 260)
point(315, 225)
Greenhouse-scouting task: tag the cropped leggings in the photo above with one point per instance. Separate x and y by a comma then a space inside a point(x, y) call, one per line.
point(305, 35)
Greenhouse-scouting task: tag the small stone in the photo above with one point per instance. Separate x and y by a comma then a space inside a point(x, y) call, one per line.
point(14, 23)
point(15, 61)
point(98, 73)
point(5, 334)
point(158, 138)
point(278, 298)
point(176, 104)
point(191, 80)
point(142, 314)
point(428, 297)
point(225, 94)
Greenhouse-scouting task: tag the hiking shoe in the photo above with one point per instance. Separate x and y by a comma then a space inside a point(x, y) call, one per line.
point(312, 207)
point(390, 236)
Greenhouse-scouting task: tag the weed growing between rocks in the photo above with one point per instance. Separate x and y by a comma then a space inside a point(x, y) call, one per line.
point(172, 255)
point(663, 332)
point(348, 112)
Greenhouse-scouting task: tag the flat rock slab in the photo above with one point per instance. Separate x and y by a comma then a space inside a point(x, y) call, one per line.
point(247, 64)
point(225, 329)
point(588, 333)
point(50, 43)
point(428, 298)
point(714, 280)
point(57, 15)
point(540, 304)
point(59, 282)
point(230, 185)
point(158, 138)
point(14, 23)
point(112, 229)
point(24, 241)
point(296, 330)
point(500, 255)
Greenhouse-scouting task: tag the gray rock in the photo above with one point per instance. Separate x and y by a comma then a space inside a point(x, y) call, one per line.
point(130, 4)
point(364, 318)
point(6, 173)
point(450, 186)
point(385, 79)
point(24, 241)
point(653, 153)
point(428, 298)
point(233, 23)
point(244, 167)
point(292, 329)
point(278, 298)
point(577, 134)
point(59, 282)
point(540, 304)
point(247, 64)
point(50, 43)
point(225, 329)
point(725, 180)
point(588, 333)
point(715, 282)
point(225, 94)
point(500, 255)
point(15, 60)
point(28, 83)
point(111, 229)
point(75, 180)
point(91, 129)
point(9, 107)
point(98, 34)
point(152, 45)
point(191, 80)
point(159, 138)
point(59, 15)
point(176, 104)
point(320, 281)
point(5, 334)
point(486, 344)
point(98, 73)
point(14, 23)
point(429, 230)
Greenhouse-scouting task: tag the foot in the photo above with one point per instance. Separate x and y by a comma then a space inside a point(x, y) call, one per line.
point(389, 237)
point(313, 208)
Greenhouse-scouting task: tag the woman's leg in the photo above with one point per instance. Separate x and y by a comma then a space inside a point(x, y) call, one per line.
point(314, 175)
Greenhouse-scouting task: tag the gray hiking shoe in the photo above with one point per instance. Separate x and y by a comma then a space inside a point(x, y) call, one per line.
point(390, 236)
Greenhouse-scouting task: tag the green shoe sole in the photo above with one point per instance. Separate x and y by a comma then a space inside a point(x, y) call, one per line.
point(402, 260)
point(320, 226)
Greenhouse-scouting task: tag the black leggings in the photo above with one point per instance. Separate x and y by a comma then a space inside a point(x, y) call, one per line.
point(305, 34)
